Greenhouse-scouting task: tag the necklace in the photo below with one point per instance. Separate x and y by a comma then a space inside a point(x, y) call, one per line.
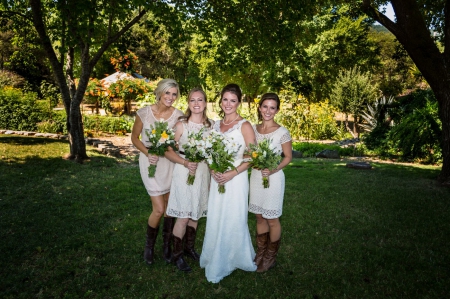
point(226, 124)
point(161, 114)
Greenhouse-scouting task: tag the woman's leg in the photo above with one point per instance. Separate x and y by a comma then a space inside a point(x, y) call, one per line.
point(262, 226)
point(168, 225)
point(153, 227)
point(193, 223)
point(189, 244)
point(178, 233)
point(158, 210)
point(269, 259)
point(180, 227)
point(262, 237)
point(274, 229)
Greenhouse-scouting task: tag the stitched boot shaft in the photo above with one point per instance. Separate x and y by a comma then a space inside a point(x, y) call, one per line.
point(167, 238)
point(150, 241)
point(189, 244)
point(269, 259)
point(178, 255)
point(261, 243)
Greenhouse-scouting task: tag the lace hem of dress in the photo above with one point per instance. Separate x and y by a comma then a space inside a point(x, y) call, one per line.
point(184, 214)
point(268, 214)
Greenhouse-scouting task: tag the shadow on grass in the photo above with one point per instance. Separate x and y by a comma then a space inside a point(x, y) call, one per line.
point(71, 230)
point(20, 140)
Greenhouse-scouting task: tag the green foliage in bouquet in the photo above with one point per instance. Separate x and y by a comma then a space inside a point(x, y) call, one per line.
point(160, 138)
point(195, 151)
point(264, 156)
point(221, 154)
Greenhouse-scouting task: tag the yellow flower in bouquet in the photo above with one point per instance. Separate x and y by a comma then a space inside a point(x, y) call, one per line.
point(160, 138)
point(264, 155)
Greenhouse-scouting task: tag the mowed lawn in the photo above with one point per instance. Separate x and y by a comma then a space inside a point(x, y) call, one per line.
point(77, 230)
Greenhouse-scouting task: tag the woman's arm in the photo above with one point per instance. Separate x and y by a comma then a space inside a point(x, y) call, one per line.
point(287, 151)
point(173, 156)
point(135, 132)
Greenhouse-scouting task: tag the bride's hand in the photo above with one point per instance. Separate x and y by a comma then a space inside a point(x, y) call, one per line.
point(226, 177)
point(153, 159)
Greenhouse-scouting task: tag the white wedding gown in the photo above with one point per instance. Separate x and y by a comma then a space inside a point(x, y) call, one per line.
point(227, 245)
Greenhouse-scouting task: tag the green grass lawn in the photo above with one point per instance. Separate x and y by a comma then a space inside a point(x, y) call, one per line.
point(69, 231)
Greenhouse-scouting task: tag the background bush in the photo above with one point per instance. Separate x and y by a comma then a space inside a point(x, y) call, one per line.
point(20, 111)
point(309, 149)
point(309, 120)
point(107, 124)
point(414, 132)
point(57, 124)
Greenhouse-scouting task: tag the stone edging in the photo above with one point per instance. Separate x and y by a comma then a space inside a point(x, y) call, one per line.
point(103, 146)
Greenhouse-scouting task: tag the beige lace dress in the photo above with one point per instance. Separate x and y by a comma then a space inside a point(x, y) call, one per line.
point(160, 184)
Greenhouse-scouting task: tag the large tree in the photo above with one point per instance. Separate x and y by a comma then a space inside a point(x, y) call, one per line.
point(79, 29)
point(273, 28)
point(419, 26)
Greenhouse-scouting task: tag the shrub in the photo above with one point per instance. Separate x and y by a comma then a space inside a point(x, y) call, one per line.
point(57, 124)
point(415, 133)
point(310, 120)
point(19, 111)
point(309, 149)
point(107, 124)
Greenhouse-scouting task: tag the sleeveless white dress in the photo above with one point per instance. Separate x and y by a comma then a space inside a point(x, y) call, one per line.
point(189, 201)
point(268, 201)
point(160, 184)
point(227, 245)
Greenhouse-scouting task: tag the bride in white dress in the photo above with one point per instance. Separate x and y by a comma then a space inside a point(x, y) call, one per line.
point(227, 245)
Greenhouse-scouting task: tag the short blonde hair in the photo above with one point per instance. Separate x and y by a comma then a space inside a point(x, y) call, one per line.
point(163, 86)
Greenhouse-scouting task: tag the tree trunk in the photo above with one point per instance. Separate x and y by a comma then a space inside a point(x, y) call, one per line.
point(76, 134)
point(443, 96)
point(348, 127)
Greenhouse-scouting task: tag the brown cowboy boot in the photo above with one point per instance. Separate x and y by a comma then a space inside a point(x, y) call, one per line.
point(189, 243)
point(269, 259)
point(178, 255)
point(261, 243)
point(152, 233)
point(167, 238)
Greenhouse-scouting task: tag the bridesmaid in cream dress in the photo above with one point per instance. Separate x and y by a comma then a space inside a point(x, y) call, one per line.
point(188, 202)
point(267, 203)
point(158, 187)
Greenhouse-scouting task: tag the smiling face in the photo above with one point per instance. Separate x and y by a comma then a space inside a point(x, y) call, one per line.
point(229, 103)
point(197, 102)
point(268, 109)
point(169, 97)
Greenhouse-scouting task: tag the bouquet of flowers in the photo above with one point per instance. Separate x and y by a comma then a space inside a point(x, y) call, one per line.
point(263, 155)
point(160, 138)
point(195, 151)
point(221, 152)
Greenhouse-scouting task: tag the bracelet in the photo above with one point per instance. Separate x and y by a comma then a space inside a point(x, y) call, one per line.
point(236, 170)
point(184, 163)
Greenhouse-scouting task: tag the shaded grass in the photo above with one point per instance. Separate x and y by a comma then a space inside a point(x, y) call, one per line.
point(71, 230)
